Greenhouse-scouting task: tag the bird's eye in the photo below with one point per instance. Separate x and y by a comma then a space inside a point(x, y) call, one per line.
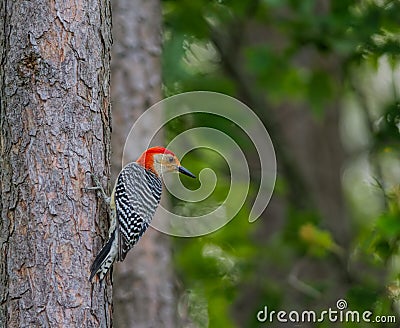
point(170, 159)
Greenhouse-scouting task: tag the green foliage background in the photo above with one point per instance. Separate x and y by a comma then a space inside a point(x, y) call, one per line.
point(305, 54)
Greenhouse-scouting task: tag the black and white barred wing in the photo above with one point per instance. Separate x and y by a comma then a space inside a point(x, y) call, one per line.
point(137, 195)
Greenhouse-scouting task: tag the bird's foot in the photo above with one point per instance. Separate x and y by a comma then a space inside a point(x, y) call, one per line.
point(97, 187)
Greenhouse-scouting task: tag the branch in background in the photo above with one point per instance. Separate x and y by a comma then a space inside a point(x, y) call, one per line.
point(373, 158)
point(300, 285)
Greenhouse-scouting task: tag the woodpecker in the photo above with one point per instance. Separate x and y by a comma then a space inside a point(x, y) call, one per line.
point(133, 202)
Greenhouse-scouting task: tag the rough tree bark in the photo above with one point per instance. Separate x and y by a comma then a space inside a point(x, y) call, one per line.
point(54, 128)
point(143, 283)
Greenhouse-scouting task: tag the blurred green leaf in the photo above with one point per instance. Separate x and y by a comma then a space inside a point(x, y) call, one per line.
point(320, 92)
point(320, 242)
point(361, 298)
point(389, 225)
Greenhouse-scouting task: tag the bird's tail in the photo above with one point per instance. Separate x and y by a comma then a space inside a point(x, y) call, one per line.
point(104, 259)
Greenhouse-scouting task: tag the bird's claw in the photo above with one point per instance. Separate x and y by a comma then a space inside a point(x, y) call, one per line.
point(101, 193)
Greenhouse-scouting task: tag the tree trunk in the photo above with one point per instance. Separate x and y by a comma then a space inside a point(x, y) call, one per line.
point(143, 283)
point(54, 129)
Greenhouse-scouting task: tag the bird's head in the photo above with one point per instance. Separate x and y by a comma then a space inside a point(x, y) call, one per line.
point(160, 160)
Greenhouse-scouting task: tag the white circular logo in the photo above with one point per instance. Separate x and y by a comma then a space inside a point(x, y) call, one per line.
point(200, 221)
point(341, 304)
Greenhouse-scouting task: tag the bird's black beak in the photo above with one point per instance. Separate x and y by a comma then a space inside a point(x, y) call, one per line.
point(184, 171)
